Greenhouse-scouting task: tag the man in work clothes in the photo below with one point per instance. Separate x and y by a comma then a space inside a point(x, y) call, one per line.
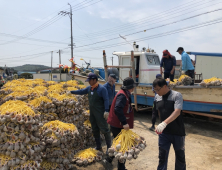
point(154, 111)
point(169, 104)
point(168, 61)
point(110, 87)
point(99, 107)
point(121, 115)
point(187, 65)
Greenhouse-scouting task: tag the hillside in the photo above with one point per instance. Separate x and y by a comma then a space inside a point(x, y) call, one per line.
point(30, 68)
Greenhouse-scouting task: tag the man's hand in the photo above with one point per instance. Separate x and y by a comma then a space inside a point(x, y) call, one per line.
point(68, 93)
point(160, 128)
point(161, 72)
point(106, 115)
point(182, 72)
point(172, 71)
point(126, 127)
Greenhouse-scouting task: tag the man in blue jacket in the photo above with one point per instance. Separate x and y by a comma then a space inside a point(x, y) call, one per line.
point(110, 87)
point(187, 65)
point(99, 109)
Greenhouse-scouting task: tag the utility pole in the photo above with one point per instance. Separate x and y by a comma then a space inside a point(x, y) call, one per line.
point(51, 63)
point(112, 60)
point(70, 16)
point(60, 63)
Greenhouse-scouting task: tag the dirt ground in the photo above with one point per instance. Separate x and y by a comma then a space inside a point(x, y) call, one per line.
point(203, 145)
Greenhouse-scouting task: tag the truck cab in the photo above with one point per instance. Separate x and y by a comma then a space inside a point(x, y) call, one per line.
point(147, 65)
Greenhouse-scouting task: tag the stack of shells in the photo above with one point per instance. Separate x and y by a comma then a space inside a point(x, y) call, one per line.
point(87, 135)
point(87, 157)
point(38, 96)
point(20, 137)
point(45, 107)
point(59, 139)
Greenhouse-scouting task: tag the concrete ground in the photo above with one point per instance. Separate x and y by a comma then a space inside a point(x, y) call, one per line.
point(203, 146)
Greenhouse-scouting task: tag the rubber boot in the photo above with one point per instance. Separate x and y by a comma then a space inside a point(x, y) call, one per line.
point(98, 144)
point(108, 158)
point(121, 166)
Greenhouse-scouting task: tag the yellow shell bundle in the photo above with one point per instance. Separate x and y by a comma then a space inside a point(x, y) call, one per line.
point(16, 107)
point(45, 165)
point(37, 101)
point(127, 145)
point(184, 80)
point(87, 156)
point(58, 88)
point(70, 83)
point(60, 125)
point(62, 97)
point(87, 123)
point(214, 81)
point(81, 86)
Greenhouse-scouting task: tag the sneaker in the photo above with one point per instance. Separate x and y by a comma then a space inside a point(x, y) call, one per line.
point(152, 128)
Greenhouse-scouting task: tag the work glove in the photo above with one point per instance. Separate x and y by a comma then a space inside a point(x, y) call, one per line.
point(160, 128)
point(182, 72)
point(106, 115)
point(68, 93)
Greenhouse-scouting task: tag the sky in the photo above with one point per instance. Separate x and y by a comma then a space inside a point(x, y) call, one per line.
point(31, 30)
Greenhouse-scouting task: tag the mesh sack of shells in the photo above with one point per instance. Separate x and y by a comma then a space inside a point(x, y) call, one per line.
point(87, 157)
point(57, 88)
point(70, 83)
point(45, 165)
point(47, 117)
point(126, 146)
point(43, 104)
point(185, 80)
point(214, 81)
point(49, 83)
point(59, 138)
point(8, 163)
point(20, 137)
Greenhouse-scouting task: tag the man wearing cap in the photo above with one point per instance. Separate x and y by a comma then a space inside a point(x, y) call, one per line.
point(187, 65)
point(121, 115)
point(110, 87)
point(99, 107)
point(168, 61)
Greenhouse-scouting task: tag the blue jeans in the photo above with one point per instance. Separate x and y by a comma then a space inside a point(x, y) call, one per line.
point(165, 141)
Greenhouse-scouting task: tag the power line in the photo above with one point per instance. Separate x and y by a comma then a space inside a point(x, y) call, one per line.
point(194, 16)
point(142, 21)
point(157, 35)
point(46, 24)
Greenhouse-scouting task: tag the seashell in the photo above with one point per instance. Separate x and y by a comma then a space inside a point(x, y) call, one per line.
point(137, 151)
point(10, 147)
point(7, 153)
point(21, 136)
point(17, 161)
point(5, 129)
point(12, 154)
point(118, 155)
point(79, 163)
point(16, 147)
point(118, 147)
point(129, 157)
point(27, 140)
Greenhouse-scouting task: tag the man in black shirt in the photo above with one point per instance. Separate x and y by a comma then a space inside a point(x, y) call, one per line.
point(169, 104)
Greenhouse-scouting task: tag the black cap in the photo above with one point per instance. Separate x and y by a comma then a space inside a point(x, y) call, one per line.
point(91, 76)
point(113, 76)
point(180, 48)
point(128, 83)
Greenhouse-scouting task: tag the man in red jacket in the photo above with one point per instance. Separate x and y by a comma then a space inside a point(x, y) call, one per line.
point(121, 115)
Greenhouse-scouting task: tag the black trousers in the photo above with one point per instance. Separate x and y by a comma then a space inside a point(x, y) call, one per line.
point(115, 131)
point(190, 73)
point(178, 142)
point(168, 75)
